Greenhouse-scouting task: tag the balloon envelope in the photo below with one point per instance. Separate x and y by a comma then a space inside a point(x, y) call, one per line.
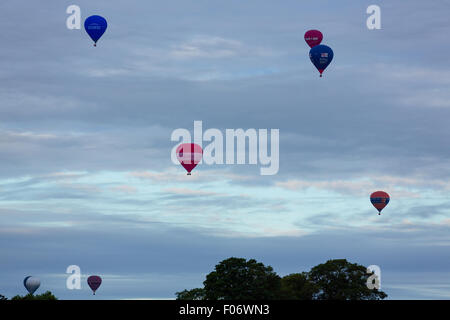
point(94, 282)
point(321, 56)
point(189, 155)
point(313, 38)
point(379, 200)
point(31, 284)
point(95, 26)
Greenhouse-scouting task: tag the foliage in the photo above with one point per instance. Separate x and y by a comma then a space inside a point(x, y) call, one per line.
point(194, 294)
point(341, 280)
point(241, 279)
point(297, 286)
point(236, 279)
point(44, 296)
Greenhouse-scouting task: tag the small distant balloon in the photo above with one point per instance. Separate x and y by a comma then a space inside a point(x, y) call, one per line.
point(95, 26)
point(94, 282)
point(31, 284)
point(321, 56)
point(189, 155)
point(313, 38)
point(379, 200)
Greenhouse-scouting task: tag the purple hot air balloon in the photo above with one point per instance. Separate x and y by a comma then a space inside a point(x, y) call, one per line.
point(94, 282)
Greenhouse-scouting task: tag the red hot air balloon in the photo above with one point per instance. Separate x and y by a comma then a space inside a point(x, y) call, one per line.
point(94, 282)
point(189, 155)
point(379, 200)
point(313, 38)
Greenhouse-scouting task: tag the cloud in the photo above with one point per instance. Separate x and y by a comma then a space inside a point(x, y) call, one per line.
point(125, 189)
point(397, 186)
point(171, 175)
point(190, 192)
point(206, 47)
point(155, 261)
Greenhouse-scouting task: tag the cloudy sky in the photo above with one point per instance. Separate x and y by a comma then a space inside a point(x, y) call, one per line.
point(86, 176)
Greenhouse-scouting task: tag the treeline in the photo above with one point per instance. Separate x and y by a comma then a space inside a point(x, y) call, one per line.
point(44, 296)
point(241, 279)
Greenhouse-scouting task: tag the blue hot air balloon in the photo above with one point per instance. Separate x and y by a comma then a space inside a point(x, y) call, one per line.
point(321, 56)
point(95, 26)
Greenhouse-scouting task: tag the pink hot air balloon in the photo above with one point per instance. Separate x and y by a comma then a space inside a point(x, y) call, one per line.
point(313, 38)
point(189, 155)
point(94, 282)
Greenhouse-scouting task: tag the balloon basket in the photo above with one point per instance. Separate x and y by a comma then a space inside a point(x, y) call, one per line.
point(188, 173)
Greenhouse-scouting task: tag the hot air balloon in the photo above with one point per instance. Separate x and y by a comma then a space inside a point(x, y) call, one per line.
point(31, 284)
point(321, 56)
point(379, 200)
point(189, 155)
point(94, 282)
point(313, 38)
point(95, 26)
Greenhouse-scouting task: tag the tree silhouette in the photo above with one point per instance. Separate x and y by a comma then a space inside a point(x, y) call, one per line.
point(297, 286)
point(239, 279)
point(341, 280)
point(44, 296)
point(193, 294)
point(236, 279)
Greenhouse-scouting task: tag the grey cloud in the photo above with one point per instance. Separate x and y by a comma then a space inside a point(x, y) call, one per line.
point(368, 130)
point(138, 252)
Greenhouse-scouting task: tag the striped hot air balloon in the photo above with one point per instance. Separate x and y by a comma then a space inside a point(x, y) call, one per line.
point(379, 200)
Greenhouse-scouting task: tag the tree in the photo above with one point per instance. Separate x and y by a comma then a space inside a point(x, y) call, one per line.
point(342, 280)
point(194, 294)
point(297, 286)
point(239, 279)
point(44, 296)
point(2, 297)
